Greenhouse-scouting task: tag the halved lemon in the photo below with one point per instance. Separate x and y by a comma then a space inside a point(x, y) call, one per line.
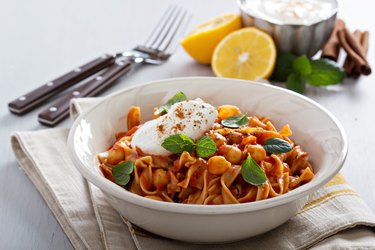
point(201, 41)
point(248, 53)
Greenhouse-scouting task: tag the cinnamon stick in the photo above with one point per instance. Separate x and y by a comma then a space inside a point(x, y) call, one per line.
point(349, 66)
point(331, 49)
point(355, 45)
point(364, 42)
point(352, 48)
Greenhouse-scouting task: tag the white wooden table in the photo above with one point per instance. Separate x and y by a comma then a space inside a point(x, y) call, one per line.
point(42, 39)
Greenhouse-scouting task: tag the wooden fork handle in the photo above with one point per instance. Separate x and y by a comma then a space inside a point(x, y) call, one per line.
point(59, 109)
point(27, 102)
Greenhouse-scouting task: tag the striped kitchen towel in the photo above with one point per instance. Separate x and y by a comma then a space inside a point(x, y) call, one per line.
point(334, 217)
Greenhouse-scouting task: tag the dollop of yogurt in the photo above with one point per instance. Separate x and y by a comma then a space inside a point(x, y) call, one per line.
point(191, 118)
point(296, 12)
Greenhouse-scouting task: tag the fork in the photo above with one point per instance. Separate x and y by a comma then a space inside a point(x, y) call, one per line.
point(156, 50)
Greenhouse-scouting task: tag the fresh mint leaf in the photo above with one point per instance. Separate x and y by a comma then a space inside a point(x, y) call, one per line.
point(252, 173)
point(302, 65)
point(179, 97)
point(324, 73)
point(297, 71)
point(235, 121)
point(125, 167)
point(283, 67)
point(277, 146)
point(121, 172)
point(178, 143)
point(296, 82)
point(205, 147)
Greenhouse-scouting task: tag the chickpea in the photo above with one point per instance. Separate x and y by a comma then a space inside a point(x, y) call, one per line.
point(218, 139)
point(257, 152)
point(218, 165)
point(160, 178)
point(231, 153)
point(226, 111)
point(235, 137)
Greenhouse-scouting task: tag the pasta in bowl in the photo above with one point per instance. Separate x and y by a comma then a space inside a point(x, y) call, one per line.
point(235, 158)
point(208, 204)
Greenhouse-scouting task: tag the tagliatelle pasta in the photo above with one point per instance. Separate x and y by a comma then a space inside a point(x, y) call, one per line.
point(187, 178)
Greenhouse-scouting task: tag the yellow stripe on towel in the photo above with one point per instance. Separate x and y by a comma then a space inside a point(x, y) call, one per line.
point(324, 199)
point(337, 180)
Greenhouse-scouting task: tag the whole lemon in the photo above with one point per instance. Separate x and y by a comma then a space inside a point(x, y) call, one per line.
point(200, 43)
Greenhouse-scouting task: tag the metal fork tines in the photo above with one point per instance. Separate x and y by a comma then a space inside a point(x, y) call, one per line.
point(157, 48)
point(160, 44)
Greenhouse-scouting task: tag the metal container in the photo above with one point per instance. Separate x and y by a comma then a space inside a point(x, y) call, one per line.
point(298, 39)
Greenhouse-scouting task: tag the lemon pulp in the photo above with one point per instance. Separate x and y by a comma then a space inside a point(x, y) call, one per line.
point(248, 53)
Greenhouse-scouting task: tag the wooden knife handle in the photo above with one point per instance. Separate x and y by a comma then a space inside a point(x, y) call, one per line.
point(59, 109)
point(27, 102)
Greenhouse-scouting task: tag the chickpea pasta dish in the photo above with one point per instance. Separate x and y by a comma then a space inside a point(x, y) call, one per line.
point(194, 153)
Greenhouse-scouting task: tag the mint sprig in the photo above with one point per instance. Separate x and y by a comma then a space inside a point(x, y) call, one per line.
point(235, 121)
point(296, 82)
point(179, 97)
point(296, 72)
point(252, 173)
point(325, 73)
point(205, 147)
point(302, 65)
point(121, 172)
point(283, 67)
point(178, 143)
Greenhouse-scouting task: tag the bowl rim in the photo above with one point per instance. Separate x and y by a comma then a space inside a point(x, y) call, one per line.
point(121, 193)
point(240, 4)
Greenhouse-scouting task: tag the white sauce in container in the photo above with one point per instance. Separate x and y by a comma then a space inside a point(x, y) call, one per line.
point(305, 12)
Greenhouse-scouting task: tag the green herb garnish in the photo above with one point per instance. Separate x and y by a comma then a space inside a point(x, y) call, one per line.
point(179, 97)
point(325, 73)
point(302, 65)
point(121, 172)
point(296, 82)
point(205, 147)
point(277, 146)
point(297, 71)
point(283, 67)
point(252, 173)
point(235, 121)
point(179, 143)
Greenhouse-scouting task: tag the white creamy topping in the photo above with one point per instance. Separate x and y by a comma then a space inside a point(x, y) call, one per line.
point(291, 11)
point(191, 118)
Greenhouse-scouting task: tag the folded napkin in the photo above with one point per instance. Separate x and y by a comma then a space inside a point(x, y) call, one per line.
point(334, 215)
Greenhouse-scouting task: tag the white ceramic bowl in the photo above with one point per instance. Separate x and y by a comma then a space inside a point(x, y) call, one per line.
point(313, 127)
